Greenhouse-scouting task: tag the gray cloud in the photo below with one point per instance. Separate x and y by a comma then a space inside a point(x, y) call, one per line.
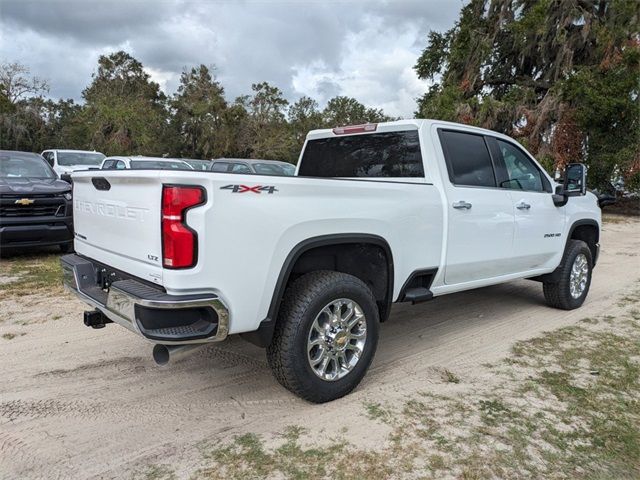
point(328, 88)
point(93, 23)
point(319, 48)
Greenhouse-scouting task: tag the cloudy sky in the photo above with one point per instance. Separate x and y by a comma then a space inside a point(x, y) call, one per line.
point(361, 48)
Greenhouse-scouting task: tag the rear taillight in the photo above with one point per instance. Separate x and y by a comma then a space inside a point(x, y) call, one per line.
point(179, 242)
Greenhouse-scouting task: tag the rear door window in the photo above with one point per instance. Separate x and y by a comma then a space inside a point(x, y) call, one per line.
point(387, 154)
point(468, 160)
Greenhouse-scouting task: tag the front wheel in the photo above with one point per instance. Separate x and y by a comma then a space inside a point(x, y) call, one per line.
point(325, 337)
point(574, 280)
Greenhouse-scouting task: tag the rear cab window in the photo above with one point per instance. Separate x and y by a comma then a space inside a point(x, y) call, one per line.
point(393, 154)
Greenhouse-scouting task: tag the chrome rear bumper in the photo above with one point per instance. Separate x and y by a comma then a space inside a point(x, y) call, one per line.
point(144, 309)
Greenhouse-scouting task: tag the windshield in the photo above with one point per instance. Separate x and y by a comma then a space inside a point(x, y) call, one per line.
point(24, 166)
point(274, 169)
point(158, 165)
point(67, 159)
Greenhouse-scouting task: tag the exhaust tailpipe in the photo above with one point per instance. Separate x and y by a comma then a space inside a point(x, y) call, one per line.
point(163, 354)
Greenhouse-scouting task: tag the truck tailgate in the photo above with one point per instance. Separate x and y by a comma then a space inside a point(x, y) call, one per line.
point(117, 221)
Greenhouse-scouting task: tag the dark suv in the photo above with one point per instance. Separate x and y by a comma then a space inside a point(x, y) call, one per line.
point(35, 205)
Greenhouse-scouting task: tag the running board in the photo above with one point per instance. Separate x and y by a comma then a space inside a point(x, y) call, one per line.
point(417, 295)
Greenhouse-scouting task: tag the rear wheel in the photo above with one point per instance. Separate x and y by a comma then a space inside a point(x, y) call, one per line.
point(325, 337)
point(574, 280)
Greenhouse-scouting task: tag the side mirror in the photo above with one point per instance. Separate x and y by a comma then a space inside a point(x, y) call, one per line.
point(66, 177)
point(575, 180)
point(575, 184)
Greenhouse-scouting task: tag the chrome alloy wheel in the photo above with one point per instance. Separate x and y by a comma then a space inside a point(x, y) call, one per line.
point(579, 276)
point(336, 339)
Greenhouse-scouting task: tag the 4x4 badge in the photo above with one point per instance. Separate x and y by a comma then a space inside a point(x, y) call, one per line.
point(247, 188)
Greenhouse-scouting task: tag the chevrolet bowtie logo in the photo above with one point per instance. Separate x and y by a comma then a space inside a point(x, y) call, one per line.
point(24, 201)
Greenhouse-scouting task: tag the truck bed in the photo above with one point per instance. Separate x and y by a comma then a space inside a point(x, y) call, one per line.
point(247, 227)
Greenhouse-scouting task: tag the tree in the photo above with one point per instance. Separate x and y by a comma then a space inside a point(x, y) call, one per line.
point(561, 76)
point(21, 122)
point(198, 114)
point(17, 84)
point(36, 124)
point(303, 116)
point(267, 127)
point(21, 126)
point(125, 111)
point(66, 127)
point(348, 111)
point(236, 130)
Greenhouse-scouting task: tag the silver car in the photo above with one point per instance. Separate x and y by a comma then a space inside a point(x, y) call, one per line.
point(255, 166)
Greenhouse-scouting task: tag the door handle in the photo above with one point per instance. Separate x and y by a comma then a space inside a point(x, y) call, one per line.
point(523, 206)
point(462, 205)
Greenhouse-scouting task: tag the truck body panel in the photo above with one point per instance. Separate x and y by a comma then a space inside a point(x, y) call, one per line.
point(249, 224)
point(244, 238)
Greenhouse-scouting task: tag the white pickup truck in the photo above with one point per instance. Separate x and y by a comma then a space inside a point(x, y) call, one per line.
point(308, 266)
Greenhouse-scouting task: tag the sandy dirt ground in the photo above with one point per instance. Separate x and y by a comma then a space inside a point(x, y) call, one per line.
point(83, 403)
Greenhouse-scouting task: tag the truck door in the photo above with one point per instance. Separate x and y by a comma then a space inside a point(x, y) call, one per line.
point(481, 218)
point(539, 224)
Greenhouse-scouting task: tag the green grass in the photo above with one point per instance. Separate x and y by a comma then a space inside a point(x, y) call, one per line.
point(630, 299)
point(11, 336)
point(449, 376)
point(155, 472)
point(562, 405)
point(28, 274)
point(248, 458)
point(375, 411)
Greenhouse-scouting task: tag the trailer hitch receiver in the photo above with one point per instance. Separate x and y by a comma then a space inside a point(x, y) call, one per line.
point(95, 319)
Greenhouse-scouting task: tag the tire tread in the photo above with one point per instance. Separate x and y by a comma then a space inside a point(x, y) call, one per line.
point(557, 294)
point(297, 299)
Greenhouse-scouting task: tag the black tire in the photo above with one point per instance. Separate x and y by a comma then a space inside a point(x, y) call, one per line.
point(558, 294)
point(304, 299)
point(66, 247)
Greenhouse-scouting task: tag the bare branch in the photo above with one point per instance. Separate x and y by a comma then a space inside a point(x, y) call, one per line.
point(17, 84)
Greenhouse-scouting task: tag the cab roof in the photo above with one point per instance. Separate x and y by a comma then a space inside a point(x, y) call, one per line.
point(71, 151)
point(394, 126)
point(143, 158)
point(250, 161)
